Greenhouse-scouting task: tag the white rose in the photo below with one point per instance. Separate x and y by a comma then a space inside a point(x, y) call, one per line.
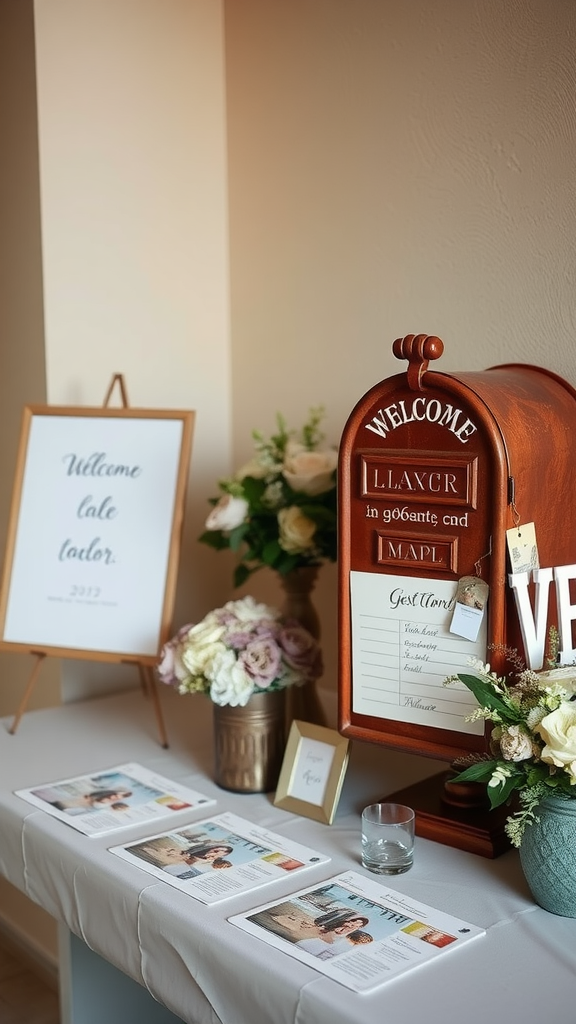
point(557, 679)
point(296, 531)
point(254, 468)
point(310, 472)
point(558, 730)
point(202, 644)
point(229, 681)
point(515, 744)
point(247, 610)
point(228, 513)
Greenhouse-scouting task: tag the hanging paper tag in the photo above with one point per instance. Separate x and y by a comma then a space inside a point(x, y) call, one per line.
point(471, 598)
point(522, 548)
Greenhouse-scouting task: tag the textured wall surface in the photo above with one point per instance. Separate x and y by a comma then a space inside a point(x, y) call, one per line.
point(395, 168)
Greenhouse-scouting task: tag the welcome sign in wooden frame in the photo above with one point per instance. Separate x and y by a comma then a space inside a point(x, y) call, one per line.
point(94, 532)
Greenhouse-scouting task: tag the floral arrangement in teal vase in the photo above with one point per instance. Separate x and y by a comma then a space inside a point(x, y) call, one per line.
point(533, 740)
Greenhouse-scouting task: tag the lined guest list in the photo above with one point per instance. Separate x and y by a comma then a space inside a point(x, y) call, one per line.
point(403, 650)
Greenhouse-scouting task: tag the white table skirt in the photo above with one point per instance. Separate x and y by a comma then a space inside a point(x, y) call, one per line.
point(201, 967)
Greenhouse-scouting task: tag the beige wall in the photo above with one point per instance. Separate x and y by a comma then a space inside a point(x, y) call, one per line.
point(114, 119)
point(134, 234)
point(395, 168)
point(22, 365)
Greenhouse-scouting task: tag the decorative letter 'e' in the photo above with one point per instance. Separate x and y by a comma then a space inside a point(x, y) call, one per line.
point(567, 612)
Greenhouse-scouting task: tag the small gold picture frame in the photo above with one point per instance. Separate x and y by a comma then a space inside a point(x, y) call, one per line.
point(313, 770)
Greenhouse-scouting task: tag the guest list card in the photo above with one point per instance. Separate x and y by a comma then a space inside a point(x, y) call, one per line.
point(402, 650)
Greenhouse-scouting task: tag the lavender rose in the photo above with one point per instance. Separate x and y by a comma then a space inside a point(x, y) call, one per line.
point(300, 651)
point(171, 669)
point(261, 660)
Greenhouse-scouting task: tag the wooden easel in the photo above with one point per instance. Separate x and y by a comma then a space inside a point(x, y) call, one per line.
point(146, 671)
point(147, 681)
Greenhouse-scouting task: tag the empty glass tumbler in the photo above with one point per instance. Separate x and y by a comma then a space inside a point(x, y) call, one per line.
point(387, 838)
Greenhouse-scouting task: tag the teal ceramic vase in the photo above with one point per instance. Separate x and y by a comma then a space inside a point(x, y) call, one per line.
point(548, 856)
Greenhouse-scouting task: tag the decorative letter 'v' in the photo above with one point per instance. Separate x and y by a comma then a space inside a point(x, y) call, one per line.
point(533, 633)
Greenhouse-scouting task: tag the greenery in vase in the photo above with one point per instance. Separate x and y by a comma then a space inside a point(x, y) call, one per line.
point(279, 510)
point(533, 742)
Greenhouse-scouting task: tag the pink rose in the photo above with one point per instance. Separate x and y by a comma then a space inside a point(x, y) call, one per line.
point(261, 660)
point(171, 671)
point(301, 651)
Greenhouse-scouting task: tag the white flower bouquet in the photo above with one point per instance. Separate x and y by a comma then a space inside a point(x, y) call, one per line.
point(279, 510)
point(533, 742)
point(240, 649)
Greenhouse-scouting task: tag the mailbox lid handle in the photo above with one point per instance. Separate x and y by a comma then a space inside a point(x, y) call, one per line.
point(418, 349)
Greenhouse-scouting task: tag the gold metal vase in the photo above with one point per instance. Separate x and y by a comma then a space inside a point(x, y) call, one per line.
point(249, 743)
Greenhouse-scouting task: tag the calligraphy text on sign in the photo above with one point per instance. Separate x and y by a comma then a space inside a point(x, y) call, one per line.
point(99, 509)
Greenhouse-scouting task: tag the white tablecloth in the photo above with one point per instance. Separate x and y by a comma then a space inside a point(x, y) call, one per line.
point(201, 967)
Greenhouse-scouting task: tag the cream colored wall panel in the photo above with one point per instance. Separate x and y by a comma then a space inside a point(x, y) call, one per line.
point(22, 368)
point(395, 168)
point(134, 228)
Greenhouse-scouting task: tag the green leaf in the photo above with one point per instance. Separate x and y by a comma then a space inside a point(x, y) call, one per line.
point(271, 552)
point(285, 562)
point(540, 773)
point(500, 794)
point(242, 572)
point(237, 536)
point(487, 698)
point(253, 490)
point(479, 772)
point(319, 514)
point(214, 539)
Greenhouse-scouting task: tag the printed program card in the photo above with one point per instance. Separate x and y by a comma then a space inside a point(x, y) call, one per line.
point(402, 650)
point(219, 857)
point(357, 931)
point(114, 798)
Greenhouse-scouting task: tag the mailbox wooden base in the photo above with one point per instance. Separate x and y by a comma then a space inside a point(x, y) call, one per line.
point(476, 830)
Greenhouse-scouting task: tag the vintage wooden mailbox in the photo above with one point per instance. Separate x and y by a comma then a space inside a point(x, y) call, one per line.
point(434, 469)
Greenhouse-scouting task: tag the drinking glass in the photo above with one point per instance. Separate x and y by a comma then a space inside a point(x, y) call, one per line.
point(387, 838)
